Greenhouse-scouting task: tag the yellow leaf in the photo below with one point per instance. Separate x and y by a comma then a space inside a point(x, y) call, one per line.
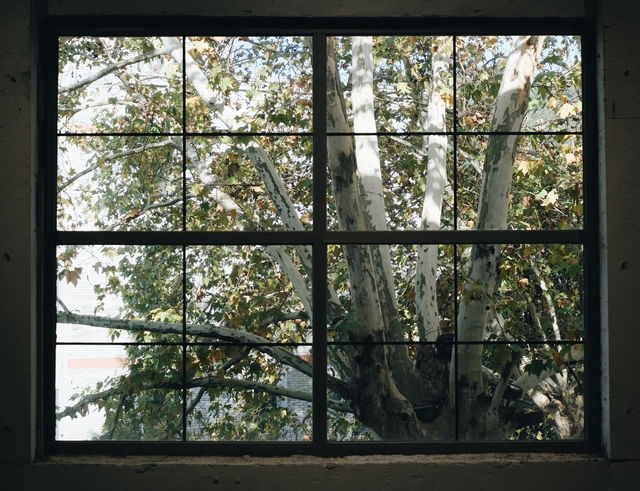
point(524, 166)
point(553, 102)
point(566, 110)
point(550, 198)
point(131, 215)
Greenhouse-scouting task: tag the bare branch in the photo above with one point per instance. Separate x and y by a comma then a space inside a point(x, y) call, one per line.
point(203, 383)
point(102, 160)
point(209, 331)
point(113, 67)
point(147, 208)
point(196, 400)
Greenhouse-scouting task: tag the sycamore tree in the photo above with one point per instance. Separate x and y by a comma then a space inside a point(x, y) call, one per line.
point(393, 373)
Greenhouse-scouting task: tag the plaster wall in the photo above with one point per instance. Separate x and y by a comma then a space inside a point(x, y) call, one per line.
point(620, 145)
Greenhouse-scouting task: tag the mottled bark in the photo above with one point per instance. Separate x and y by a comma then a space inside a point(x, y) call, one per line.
point(373, 207)
point(511, 104)
point(436, 180)
point(375, 397)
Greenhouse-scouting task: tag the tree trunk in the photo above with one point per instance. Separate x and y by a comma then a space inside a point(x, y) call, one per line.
point(376, 400)
point(372, 199)
point(427, 265)
point(511, 105)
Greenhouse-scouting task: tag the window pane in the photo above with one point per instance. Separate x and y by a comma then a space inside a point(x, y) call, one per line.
point(118, 393)
point(545, 188)
point(119, 294)
point(537, 391)
point(538, 293)
point(119, 183)
point(116, 85)
point(252, 84)
point(249, 184)
point(414, 176)
point(555, 102)
point(375, 410)
point(249, 294)
point(419, 306)
point(239, 393)
point(401, 83)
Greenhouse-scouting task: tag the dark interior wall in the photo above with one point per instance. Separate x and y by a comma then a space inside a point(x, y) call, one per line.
point(619, 21)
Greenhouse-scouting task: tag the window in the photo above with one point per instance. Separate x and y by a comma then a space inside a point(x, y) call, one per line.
point(293, 239)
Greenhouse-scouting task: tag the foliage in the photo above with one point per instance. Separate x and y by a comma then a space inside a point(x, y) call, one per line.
point(122, 181)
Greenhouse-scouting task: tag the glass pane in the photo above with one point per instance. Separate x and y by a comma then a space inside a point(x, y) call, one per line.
point(415, 281)
point(249, 184)
point(240, 393)
point(538, 293)
point(399, 83)
point(363, 405)
point(529, 392)
point(118, 392)
point(249, 294)
point(119, 84)
point(555, 102)
point(546, 189)
point(414, 176)
point(119, 183)
point(119, 294)
point(253, 84)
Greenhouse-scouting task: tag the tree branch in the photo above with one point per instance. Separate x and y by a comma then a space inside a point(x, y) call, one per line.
point(112, 68)
point(276, 253)
point(209, 331)
point(511, 105)
point(116, 417)
point(203, 383)
point(372, 199)
point(259, 157)
point(102, 160)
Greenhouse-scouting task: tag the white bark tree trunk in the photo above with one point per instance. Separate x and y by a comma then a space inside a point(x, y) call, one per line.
point(511, 105)
point(436, 181)
point(345, 181)
point(372, 199)
point(376, 399)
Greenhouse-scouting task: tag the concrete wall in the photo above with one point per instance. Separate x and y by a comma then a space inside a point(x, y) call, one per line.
point(620, 21)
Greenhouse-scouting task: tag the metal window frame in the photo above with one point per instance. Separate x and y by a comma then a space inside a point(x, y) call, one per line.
point(319, 238)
